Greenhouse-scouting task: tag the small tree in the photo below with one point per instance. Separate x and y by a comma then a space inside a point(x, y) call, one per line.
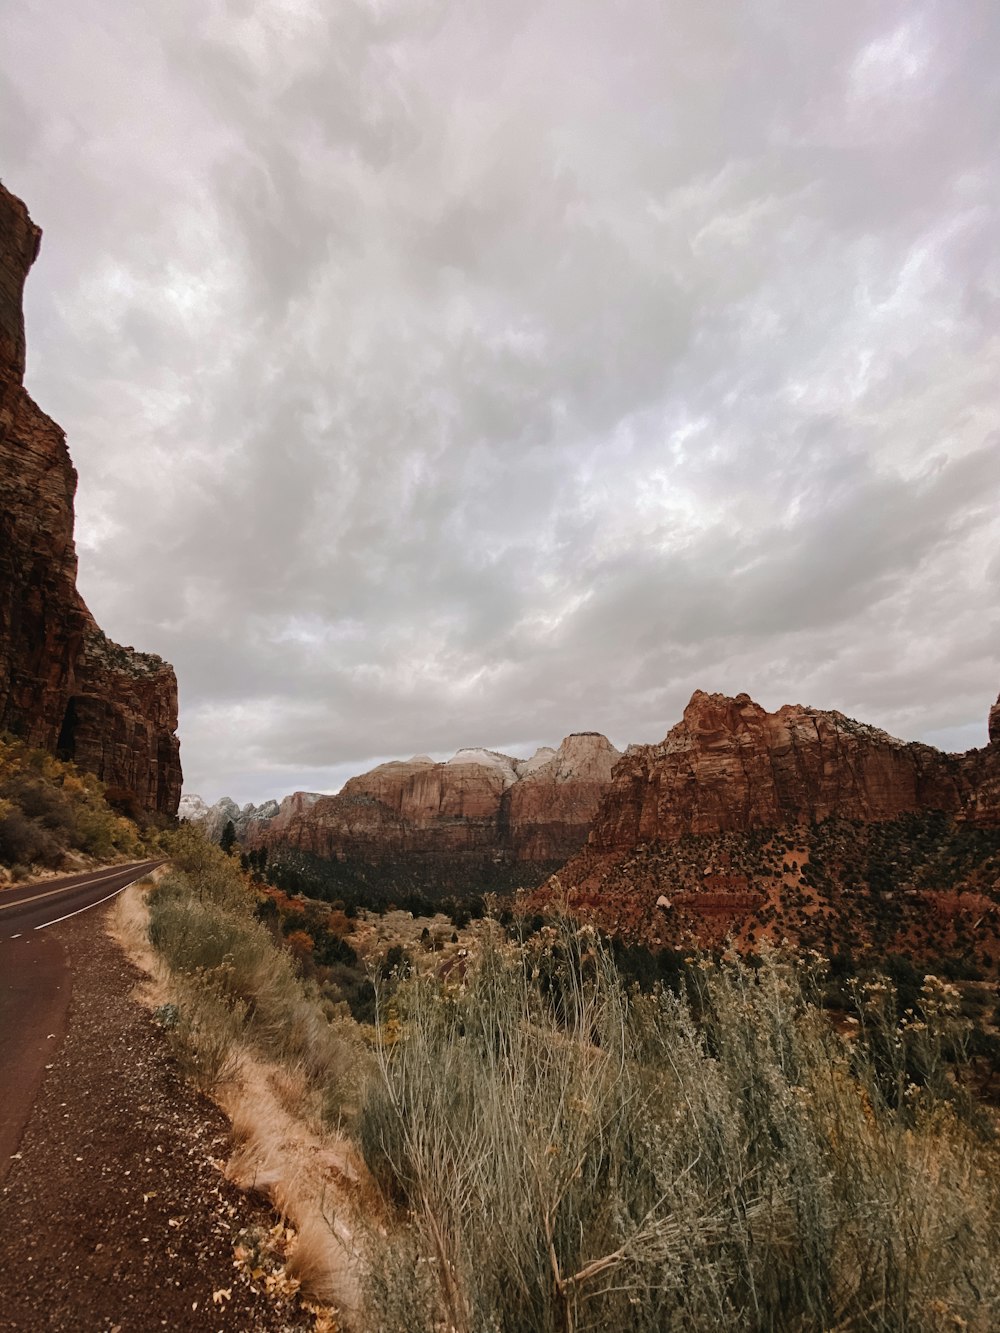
point(228, 839)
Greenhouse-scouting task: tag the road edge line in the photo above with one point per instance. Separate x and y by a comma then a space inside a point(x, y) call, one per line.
point(45, 924)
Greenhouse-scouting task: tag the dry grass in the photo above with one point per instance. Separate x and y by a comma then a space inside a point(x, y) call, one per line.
point(541, 1150)
point(313, 1179)
point(566, 1157)
point(245, 1029)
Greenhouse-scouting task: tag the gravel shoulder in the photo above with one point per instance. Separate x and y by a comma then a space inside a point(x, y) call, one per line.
point(114, 1216)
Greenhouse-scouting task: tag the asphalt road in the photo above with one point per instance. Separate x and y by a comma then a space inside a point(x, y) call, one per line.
point(35, 982)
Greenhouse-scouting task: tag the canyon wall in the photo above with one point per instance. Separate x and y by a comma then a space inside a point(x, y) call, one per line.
point(478, 821)
point(63, 685)
point(729, 765)
point(801, 825)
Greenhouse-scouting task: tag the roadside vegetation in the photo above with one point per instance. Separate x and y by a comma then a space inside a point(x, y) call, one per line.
point(237, 989)
point(531, 1141)
point(52, 814)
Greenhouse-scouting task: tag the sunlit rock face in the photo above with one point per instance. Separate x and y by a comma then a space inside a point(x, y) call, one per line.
point(479, 820)
point(64, 686)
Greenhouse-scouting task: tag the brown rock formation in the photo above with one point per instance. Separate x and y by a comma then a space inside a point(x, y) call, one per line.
point(981, 769)
point(729, 765)
point(63, 685)
point(553, 806)
point(799, 824)
point(480, 820)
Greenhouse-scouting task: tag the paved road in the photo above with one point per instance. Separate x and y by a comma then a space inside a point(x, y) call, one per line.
point(35, 983)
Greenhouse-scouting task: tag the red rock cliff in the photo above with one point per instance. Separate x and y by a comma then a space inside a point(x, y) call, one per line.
point(446, 823)
point(746, 826)
point(729, 765)
point(63, 685)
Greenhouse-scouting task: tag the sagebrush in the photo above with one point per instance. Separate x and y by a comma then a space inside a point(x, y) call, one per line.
point(562, 1155)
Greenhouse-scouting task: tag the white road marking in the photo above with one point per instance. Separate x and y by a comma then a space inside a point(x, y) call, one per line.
point(46, 924)
point(40, 897)
point(17, 936)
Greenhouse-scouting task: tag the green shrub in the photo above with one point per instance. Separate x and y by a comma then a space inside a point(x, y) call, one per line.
point(48, 807)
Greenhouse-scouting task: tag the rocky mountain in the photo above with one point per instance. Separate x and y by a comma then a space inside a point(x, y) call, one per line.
point(64, 686)
point(730, 765)
point(247, 820)
point(480, 820)
point(792, 824)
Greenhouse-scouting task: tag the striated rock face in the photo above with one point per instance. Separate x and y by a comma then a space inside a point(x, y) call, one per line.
point(981, 769)
point(553, 805)
point(480, 820)
point(63, 685)
point(729, 765)
point(730, 770)
point(744, 827)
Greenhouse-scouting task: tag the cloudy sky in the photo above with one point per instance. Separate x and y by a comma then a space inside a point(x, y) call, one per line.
point(456, 372)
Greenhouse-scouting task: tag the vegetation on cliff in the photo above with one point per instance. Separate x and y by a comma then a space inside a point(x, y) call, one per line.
point(49, 809)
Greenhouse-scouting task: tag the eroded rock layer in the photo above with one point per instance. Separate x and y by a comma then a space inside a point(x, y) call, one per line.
point(799, 824)
point(63, 685)
point(481, 820)
point(729, 765)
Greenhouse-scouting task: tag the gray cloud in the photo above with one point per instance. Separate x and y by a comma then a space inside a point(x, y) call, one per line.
point(444, 374)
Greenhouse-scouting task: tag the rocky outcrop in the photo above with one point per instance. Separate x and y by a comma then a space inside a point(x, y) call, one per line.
point(729, 765)
point(63, 685)
point(981, 769)
point(745, 827)
point(480, 820)
point(730, 775)
point(249, 821)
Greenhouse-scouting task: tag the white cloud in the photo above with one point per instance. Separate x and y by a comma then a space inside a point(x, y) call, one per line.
point(446, 374)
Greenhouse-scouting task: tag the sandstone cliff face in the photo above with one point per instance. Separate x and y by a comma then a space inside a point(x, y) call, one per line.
point(729, 765)
point(800, 825)
point(448, 824)
point(981, 771)
point(553, 806)
point(63, 685)
point(248, 821)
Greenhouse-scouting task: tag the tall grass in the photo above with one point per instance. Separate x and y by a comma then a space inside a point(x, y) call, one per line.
point(560, 1155)
point(237, 988)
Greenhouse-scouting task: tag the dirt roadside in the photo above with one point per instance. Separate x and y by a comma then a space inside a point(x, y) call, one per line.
point(114, 1217)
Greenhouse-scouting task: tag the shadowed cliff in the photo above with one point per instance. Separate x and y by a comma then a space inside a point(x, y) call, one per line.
point(64, 686)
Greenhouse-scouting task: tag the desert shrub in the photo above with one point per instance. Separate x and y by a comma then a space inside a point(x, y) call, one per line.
point(238, 987)
point(48, 807)
point(561, 1154)
point(24, 841)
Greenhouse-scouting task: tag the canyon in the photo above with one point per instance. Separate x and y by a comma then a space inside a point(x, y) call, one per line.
point(742, 825)
point(64, 686)
point(481, 820)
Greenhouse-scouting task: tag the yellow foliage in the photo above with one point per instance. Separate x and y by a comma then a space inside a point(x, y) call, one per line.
point(48, 807)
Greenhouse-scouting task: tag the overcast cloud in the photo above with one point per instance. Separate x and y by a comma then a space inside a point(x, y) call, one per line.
point(465, 373)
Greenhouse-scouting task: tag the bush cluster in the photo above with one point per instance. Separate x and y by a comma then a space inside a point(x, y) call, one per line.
point(48, 807)
point(562, 1154)
point(238, 988)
